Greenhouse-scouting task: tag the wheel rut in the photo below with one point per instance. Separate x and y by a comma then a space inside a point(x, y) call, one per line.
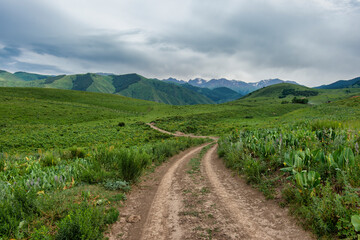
point(163, 220)
point(257, 218)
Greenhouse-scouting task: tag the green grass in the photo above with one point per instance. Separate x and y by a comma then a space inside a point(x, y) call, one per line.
point(32, 119)
point(97, 141)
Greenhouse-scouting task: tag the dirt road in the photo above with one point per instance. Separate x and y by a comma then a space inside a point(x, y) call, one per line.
point(196, 197)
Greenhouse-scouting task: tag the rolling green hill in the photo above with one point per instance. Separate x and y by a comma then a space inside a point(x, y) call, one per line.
point(7, 78)
point(158, 91)
point(130, 85)
point(285, 92)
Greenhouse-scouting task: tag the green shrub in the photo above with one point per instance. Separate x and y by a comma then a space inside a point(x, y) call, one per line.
point(121, 124)
point(126, 164)
point(48, 159)
point(77, 152)
point(15, 210)
point(2, 164)
point(95, 173)
point(252, 170)
point(42, 233)
point(300, 100)
point(84, 223)
point(112, 215)
point(133, 165)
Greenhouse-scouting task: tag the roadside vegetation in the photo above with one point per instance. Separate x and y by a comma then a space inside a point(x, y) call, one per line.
point(74, 192)
point(314, 165)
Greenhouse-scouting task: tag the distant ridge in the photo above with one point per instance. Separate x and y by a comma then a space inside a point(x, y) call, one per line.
point(352, 83)
point(218, 95)
point(240, 87)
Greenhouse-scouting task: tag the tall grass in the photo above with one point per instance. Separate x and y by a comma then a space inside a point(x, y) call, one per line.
point(317, 164)
point(23, 180)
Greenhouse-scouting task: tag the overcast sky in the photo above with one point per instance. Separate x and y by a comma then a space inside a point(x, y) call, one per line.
point(312, 42)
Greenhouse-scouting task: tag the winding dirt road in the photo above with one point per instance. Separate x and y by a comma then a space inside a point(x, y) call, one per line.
point(196, 197)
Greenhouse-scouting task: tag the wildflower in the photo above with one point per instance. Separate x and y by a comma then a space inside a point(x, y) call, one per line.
point(56, 178)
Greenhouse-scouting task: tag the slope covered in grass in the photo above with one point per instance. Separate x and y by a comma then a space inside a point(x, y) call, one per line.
point(218, 95)
point(158, 91)
point(131, 85)
point(286, 92)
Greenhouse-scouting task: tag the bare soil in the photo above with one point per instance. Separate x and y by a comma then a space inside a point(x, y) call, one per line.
point(180, 201)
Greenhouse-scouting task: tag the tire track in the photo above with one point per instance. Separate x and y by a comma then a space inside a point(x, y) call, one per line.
point(256, 217)
point(162, 221)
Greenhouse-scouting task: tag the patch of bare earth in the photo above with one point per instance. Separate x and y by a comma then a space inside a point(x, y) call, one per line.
point(151, 211)
point(201, 215)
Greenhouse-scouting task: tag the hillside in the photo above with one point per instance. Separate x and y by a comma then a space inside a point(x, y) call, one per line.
point(158, 91)
point(130, 85)
point(352, 83)
point(8, 79)
point(218, 95)
point(285, 92)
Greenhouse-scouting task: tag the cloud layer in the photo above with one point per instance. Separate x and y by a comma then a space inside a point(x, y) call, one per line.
point(312, 42)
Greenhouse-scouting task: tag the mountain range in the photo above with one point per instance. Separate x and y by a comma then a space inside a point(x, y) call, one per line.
point(240, 87)
point(168, 91)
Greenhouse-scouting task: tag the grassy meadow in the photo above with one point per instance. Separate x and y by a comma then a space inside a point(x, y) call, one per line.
point(68, 158)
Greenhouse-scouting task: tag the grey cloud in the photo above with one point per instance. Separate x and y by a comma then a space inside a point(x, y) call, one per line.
point(9, 52)
point(41, 68)
point(228, 38)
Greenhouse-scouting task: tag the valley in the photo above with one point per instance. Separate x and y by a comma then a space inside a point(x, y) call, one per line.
point(84, 162)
